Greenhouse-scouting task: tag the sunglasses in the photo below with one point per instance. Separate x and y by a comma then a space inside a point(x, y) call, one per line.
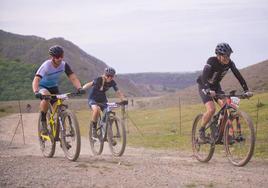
point(59, 57)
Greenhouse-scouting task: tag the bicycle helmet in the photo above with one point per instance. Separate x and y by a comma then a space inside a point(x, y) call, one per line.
point(109, 71)
point(223, 49)
point(56, 51)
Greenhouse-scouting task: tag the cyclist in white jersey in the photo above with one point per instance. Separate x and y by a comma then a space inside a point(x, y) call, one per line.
point(47, 77)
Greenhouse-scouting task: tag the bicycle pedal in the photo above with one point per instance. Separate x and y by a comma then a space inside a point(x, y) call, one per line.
point(68, 146)
point(240, 139)
point(114, 143)
point(219, 142)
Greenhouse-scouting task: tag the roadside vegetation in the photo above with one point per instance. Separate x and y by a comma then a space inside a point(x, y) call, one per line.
point(161, 128)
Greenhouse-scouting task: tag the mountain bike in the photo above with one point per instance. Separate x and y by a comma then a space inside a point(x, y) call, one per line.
point(62, 126)
point(229, 126)
point(110, 128)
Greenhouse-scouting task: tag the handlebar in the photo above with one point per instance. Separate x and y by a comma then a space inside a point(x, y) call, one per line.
point(241, 96)
point(60, 96)
point(122, 103)
point(245, 95)
point(114, 104)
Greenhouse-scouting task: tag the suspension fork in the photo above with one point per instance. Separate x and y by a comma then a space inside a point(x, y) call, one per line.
point(103, 123)
point(60, 125)
point(238, 125)
point(109, 116)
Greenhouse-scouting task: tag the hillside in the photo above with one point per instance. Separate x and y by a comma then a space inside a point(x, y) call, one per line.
point(256, 77)
point(33, 50)
point(163, 83)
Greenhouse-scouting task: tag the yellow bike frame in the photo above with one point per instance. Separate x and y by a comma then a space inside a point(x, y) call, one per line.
point(52, 122)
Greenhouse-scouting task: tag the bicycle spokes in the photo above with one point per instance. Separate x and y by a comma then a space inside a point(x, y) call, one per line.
point(239, 140)
point(96, 144)
point(70, 135)
point(46, 141)
point(116, 136)
point(203, 150)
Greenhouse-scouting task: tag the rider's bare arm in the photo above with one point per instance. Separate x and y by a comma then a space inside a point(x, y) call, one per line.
point(35, 84)
point(87, 85)
point(75, 81)
point(120, 95)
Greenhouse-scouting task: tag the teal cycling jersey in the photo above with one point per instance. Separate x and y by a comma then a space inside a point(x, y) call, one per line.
point(50, 75)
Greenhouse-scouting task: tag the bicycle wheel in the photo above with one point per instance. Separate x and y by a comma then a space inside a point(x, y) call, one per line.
point(47, 142)
point(203, 152)
point(239, 139)
point(96, 144)
point(70, 137)
point(116, 136)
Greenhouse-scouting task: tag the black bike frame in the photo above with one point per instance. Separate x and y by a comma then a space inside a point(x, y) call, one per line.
point(218, 127)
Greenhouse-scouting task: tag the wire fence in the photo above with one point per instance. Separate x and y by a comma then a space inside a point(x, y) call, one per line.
point(180, 123)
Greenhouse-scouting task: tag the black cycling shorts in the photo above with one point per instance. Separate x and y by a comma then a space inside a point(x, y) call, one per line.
point(205, 98)
point(52, 90)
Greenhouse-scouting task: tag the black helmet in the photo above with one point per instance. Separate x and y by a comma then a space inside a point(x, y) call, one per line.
point(109, 71)
point(223, 49)
point(56, 51)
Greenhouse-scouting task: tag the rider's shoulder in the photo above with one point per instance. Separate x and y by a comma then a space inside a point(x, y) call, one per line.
point(46, 62)
point(212, 60)
point(98, 80)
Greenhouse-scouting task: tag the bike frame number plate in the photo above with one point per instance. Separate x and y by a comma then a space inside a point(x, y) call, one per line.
point(112, 105)
point(62, 96)
point(235, 102)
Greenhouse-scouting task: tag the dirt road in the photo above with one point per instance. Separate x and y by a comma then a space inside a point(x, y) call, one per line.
point(24, 166)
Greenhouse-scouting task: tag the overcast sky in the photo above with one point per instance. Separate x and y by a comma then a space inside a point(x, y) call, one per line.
point(147, 35)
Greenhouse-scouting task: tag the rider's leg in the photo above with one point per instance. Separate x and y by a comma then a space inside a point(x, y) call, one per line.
point(44, 103)
point(221, 102)
point(95, 112)
point(209, 104)
point(43, 109)
point(95, 116)
point(210, 110)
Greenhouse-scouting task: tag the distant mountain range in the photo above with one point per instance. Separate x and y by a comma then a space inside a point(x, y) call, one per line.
point(163, 83)
point(33, 50)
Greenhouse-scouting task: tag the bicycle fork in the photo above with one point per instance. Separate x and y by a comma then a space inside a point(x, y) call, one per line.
point(62, 128)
